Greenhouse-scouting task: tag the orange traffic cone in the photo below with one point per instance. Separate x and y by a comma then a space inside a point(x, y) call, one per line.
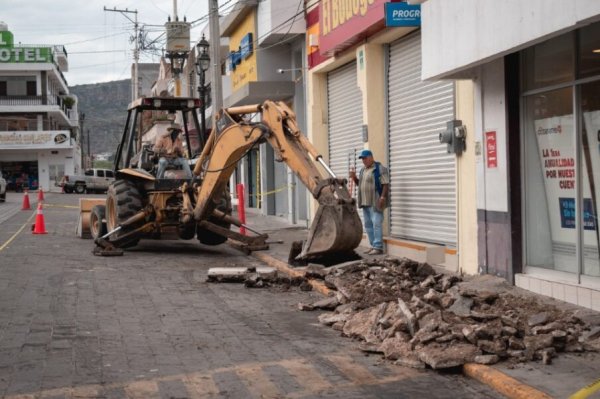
point(40, 194)
point(26, 206)
point(40, 226)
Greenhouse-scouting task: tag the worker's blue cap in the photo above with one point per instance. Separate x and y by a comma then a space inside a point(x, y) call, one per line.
point(365, 153)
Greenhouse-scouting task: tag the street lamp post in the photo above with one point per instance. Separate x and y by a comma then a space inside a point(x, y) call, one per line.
point(202, 65)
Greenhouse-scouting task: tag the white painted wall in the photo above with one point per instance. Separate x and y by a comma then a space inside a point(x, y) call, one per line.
point(490, 115)
point(460, 34)
point(273, 16)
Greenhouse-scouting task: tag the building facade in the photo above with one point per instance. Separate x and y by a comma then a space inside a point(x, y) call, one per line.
point(265, 61)
point(39, 126)
point(365, 91)
point(532, 109)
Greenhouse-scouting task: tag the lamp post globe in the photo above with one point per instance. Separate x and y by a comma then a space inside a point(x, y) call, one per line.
point(202, 65)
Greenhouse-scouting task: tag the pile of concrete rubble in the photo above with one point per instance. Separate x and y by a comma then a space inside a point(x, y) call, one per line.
point(416, 316)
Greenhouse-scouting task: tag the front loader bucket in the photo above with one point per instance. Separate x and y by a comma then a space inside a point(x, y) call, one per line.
point(335, 229)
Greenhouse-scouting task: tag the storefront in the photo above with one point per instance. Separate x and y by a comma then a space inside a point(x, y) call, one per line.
point(31, 160)
point(424, 191)
point(535, 124)
point(561, 153)
point(345, 118)
point(366, 92)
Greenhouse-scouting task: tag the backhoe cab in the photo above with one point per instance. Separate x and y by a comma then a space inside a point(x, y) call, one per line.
point(139, 205)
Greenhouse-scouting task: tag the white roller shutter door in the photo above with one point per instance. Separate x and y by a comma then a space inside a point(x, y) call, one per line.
point(344, 103)
point(423, 175)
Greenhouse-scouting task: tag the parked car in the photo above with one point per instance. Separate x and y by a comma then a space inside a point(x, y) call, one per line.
point(93, 180)
point(2, 188)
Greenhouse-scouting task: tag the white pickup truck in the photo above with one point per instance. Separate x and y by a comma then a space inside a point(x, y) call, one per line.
point(93, 180)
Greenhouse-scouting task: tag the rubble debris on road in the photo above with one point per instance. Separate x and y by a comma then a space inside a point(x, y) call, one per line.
point(414, 315)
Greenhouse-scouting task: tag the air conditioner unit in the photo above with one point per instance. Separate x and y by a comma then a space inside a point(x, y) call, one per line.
point(313, 40)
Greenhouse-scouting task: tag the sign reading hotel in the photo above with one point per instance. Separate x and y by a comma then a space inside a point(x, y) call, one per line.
point(34, 140)
point(345, 22)
point(9, 53)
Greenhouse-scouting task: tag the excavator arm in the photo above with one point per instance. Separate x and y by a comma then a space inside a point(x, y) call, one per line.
point(336, 227)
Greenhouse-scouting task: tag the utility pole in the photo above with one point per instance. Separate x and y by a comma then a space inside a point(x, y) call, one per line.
point(215, 49)
point(136, 52)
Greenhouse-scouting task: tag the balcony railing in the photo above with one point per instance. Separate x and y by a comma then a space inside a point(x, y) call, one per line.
point(34, 100)
point(29, 125)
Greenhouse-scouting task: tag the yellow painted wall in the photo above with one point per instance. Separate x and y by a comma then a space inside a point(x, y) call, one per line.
point(246, 71)
point(466, 181)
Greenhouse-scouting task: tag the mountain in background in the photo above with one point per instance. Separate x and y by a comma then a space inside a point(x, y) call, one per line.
point(105, 109)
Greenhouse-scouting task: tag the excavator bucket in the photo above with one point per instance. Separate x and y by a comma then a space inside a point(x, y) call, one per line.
point(336, 228)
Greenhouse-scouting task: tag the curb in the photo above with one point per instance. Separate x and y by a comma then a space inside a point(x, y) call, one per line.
point(497, 380)
point(502, 383)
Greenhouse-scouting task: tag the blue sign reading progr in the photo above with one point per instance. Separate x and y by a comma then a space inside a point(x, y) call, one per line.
point(402, 14)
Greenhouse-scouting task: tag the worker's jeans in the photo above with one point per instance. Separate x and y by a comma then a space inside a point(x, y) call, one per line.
point(164, 162)
point(373, 225)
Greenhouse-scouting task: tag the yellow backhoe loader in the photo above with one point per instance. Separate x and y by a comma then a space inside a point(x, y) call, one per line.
point(140, 206)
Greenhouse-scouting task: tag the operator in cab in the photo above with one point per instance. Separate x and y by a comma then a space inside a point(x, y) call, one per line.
point(169, 147)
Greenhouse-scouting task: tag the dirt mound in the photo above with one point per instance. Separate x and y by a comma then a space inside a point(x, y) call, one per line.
point(416, 316)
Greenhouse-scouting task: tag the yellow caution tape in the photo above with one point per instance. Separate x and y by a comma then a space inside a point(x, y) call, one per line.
point(587, 390)
point(277, 190)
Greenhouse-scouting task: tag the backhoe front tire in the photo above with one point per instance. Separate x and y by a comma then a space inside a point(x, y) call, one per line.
point(123, 201)
point(97, 221)
point(207, 237)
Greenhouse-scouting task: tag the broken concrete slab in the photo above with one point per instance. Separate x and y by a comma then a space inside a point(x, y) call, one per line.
point(362, 324)
point(329, 303)
point(537, 319)
point(411, 320)
point(487, 359)
point(316, 271)
point(461, 307)
point(395, 347)
point(331, 318)
point(440, 357)
point(239, 274)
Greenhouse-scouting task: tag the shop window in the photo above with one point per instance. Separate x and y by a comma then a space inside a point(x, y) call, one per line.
point(31, 88)
point(590, 143)
point(550, 177)
point(550, 62)
point(555, 208)
point(589, 51)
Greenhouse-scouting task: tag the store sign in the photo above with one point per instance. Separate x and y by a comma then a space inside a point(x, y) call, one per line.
point(9, 53)
point(567, 214)
point(402, 15)
point(491, 149)
point(344, 22)
point(246, 46)
point(34, 140)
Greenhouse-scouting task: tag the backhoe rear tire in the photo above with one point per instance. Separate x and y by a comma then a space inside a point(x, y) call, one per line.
point(123, 201)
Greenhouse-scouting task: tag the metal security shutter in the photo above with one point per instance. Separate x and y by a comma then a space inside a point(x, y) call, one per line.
point(344, 103)
point(423, 175)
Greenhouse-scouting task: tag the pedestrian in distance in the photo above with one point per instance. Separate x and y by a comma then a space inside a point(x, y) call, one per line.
point(169, 148)
point(373, 188)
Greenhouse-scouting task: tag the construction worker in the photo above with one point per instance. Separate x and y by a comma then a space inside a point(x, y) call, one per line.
point(373, 187)
point(169, 147)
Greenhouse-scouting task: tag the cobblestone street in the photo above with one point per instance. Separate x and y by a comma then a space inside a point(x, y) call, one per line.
point(146, 325)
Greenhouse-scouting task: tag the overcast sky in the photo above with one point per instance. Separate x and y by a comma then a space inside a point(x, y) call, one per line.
point(97, 42)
